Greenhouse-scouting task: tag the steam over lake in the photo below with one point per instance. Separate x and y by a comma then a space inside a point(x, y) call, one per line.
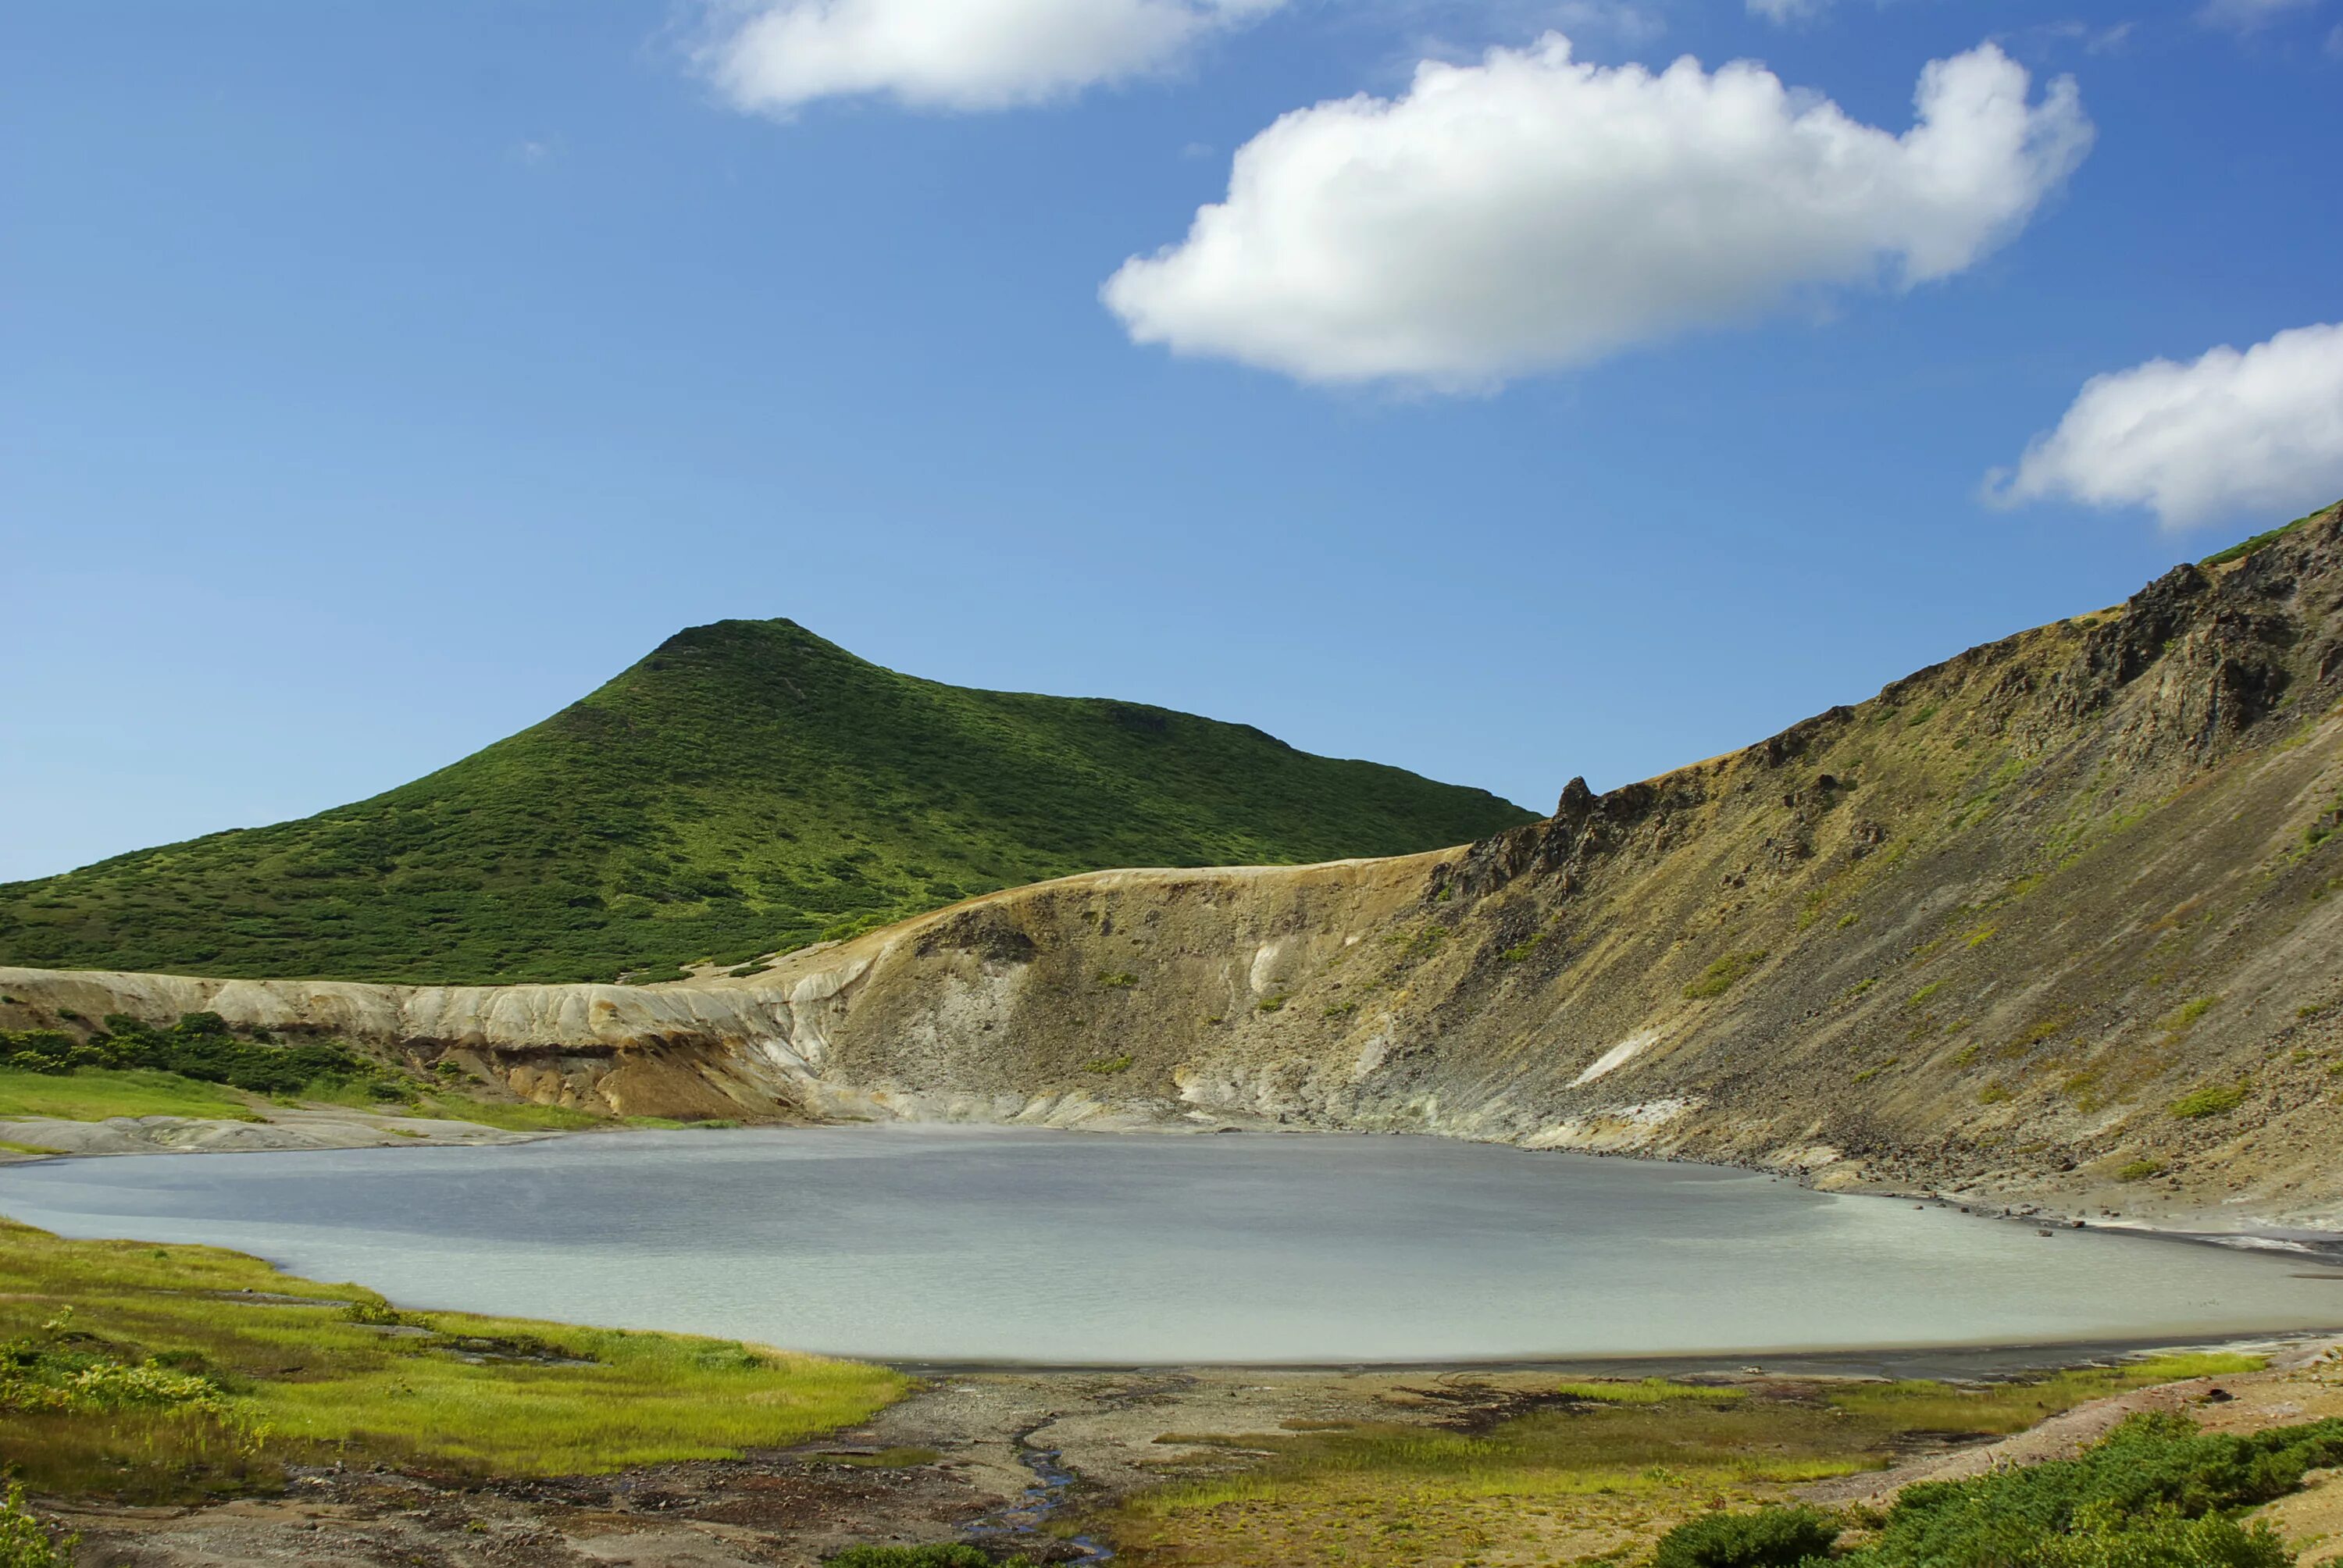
point(945, 1244)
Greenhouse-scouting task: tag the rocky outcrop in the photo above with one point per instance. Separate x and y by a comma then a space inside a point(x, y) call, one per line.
point(2052, 922)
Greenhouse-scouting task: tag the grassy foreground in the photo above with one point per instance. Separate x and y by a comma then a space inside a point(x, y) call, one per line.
point(145, 1372)
point(1592, 1478)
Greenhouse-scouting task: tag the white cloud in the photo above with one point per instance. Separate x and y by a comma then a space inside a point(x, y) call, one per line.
point(776, 55)
point(2227, 435)
point(1533, 212)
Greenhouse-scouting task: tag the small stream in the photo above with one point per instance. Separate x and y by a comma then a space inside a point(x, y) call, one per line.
point(1028, 1519)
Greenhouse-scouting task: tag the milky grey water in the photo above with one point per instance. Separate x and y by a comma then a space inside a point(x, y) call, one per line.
point(967, 1243)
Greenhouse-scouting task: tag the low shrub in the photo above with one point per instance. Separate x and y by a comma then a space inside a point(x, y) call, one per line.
point(1724, 974)
point(25, 1542)
point(199, 1046)
point(2158, 1493)
point(2217, 1101)
point(1770, 1538)
point(2164, 1539)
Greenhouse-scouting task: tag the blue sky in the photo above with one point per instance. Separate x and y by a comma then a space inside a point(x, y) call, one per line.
point(377, 378)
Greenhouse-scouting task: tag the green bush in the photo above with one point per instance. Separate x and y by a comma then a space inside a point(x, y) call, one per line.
point(24, 1544)
point(2217, 1101)
point(1724, 974)
point(2142, 1498)
point(1770, 1538)
point(2164, 1539)
point(200, 1046)
point(2155, 1494)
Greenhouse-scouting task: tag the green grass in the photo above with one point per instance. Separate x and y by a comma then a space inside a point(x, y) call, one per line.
point(1998, 1409)
point(745, 788)
point(2216, 1099)
point(292, 1382)
point(510, 1118)
point(2245, 547)
point(1724, 974)
point(1648, 1390)
point(1595, 1480)
point(93, 1094)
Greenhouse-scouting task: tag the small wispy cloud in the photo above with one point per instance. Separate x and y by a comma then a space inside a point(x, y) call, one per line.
point(2092, 39)
point(777, 55)
point(2248, 15)
point(1622, 21)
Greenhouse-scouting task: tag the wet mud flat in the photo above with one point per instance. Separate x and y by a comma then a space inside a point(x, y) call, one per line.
point(1004, 1457)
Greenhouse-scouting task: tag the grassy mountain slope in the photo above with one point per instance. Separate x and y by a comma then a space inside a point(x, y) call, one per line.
point(747, 787)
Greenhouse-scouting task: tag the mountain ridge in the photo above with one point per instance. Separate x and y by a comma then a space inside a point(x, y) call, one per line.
point(744, 788)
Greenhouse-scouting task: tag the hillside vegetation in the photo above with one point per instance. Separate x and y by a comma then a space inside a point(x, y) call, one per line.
point(746, 788)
